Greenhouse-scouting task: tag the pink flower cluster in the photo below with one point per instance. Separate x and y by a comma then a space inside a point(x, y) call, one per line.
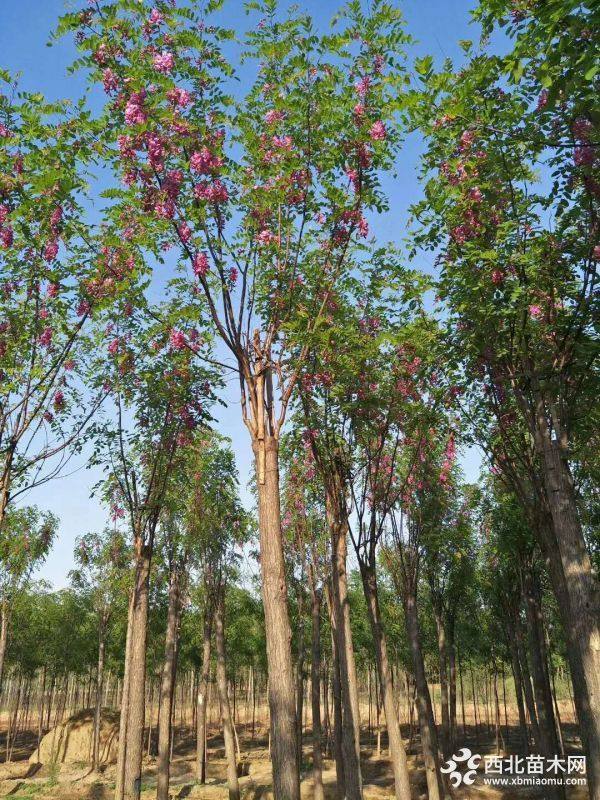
point(204, 162)
point(134, 109)
point(215, 192)
point(163, 62)
point(200, 265)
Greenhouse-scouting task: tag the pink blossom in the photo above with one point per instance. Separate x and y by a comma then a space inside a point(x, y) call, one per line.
point(185, 232)
point(4, 212)
point(163, 62)
point(83, 308)
point(378, 132)
point(583, 156)
point(113, 347)
point(283, 142)
point(362, 86)
point(596, 253)
point(51, 250)
point(535, 311)
point(203, 161)
point(475, 194)
point(179, 97)
point(542, 100)
point(177, 339)
point(497, 277)
point(273, 116)
point(126, 146)
point(46, 337)
point(155, 151)
point(215, 192)
point(466, 140)
point(69, 365)
point(582, 129)
point(48, 416)
point(59, 400)
point(200, 265)
point(4, 132)
point(6, 237)
point(363, 227)
point(56, 217)
point(266, 236)
point(155, 18)
point(52, 290)
point(233, 276)
point(134, 111)
point(164, 209)
point(44, 313)
point(110, 81)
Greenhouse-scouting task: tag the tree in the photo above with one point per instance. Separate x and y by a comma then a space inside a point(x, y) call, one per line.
point(55, 272)
point(26, 536)
point(264, 199)
point(160, 391)
point(520, 291)
point(102, 562)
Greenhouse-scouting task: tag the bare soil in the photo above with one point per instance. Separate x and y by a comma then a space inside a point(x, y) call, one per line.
point(20, 780)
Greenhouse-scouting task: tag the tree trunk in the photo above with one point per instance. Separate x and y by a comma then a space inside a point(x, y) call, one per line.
point(3, 636)
point(168, 677)
point(451, 681)
point(340, 784)
point(396, 747)
point(516, 671)
point(315, 689)
point(443, 672)
point(202, 695)
point(429, 742)
point(580, 601)
point(343, 633)
point(282, 701)
point(300, 678)
point(132, 782)
point(122, 751)
point(228, 735)
point(99, 689)
point(541, 685)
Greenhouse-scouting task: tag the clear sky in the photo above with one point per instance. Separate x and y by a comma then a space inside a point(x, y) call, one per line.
point(437, 25)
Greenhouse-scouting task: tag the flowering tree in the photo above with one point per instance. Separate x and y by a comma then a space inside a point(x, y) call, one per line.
point(370, 399)
point(54, 272)
point(160, 391)
point(519, 266)
point(264, 199)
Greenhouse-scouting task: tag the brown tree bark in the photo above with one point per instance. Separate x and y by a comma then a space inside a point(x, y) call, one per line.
point(282, 700)
point(315, 689)
point(202, 696)
point(541, 684)
point(132, 782)
point(429, 741)
point(228, 734)
point(3, 636)
point(517, 677)
point(396, 747)
point(579, 595)
point(443, 672)
point(335, 504)
point(99, 688)
point(168, 678)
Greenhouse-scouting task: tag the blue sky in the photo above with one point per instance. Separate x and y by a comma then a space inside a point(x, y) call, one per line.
point(437, 25)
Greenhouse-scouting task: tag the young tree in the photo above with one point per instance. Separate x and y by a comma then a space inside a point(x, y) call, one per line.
point(102, 562)
point(264, 199)
point(26, 536)
point(160, 392)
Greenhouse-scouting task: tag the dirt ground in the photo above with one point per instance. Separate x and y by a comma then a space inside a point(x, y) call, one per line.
point(21, 781)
